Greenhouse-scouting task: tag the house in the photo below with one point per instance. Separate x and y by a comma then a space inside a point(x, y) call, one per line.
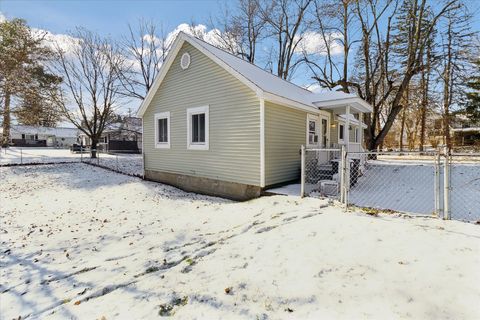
point(124, 136)
point(465, 132)
point(37, 136)
point(216, 124)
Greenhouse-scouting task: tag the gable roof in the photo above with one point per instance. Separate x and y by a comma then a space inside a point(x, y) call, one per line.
point(266, 85)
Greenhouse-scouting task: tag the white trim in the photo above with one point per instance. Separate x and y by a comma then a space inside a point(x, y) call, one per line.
point(316, 118)
point(143, 152)
point(325, 117)
point(158, 116)
point(341, 141)
point(262, 143)
point(187, 56)
point(190, 112)
point(357, 103)
point(288, 103)
point(261, 94)
point(176, 46)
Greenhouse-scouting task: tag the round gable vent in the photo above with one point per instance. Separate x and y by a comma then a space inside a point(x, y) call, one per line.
point(185, 61)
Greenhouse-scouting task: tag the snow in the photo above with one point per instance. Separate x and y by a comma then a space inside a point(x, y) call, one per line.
point(408, 186)
point(131, 164)
point(288, 190)
point(18, 155)
point(81, 242)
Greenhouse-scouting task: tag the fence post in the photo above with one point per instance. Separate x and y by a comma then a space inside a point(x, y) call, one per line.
point(21, 155)
point(81, 153)
point(116, 155)
point(446, 186)
point(302, 172)
point(343, 177)
point(436, 187)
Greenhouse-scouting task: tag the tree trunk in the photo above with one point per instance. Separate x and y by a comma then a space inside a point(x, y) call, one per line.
point(93, 148)
point(6, 120)
point(402, 129)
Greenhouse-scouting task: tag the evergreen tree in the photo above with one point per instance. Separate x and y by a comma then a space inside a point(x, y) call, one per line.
point(472, 104)
point(22, 53)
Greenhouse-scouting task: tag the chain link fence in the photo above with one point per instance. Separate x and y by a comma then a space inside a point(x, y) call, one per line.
point(464, 187)
point(421, 183)
point(403, 182)
point(322, 172)
point(115, 160)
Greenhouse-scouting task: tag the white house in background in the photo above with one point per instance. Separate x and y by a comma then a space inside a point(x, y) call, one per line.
point(216, 124)
point(37, 136)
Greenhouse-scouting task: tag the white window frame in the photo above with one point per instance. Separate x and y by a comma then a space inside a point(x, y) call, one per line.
point(311, 117)
point(340, 125)
point(198, 145)
point(320, 136)
point(356, 134)
point(158, 116)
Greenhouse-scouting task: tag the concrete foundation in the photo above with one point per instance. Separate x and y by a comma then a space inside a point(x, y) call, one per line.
point(207, 186)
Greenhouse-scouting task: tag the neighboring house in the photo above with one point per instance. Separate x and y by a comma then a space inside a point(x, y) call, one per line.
point(124, 136)
point(465, 133)
point(216, 124)
point(36, 136)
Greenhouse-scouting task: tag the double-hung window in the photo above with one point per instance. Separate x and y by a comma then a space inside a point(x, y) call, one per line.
point(162, 130)
point(197, 126)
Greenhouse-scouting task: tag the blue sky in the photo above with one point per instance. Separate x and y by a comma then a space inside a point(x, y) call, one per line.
point(105, 16)
point(108, 17)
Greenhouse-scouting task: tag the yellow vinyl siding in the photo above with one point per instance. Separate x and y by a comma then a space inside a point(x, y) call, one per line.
point(234, 124)
point(285, 132)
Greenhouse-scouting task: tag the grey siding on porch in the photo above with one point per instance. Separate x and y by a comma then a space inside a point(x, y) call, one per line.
point(285, 132)
point(234, 111)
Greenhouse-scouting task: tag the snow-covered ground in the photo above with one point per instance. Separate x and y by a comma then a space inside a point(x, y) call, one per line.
point(20, 155)
point(126, 163)
point(78, 241)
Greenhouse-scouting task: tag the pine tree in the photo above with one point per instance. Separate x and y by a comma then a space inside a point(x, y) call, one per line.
point(472, 103)
point(21, 53)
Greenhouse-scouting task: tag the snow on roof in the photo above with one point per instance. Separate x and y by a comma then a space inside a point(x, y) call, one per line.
point(264, 83)
point(261, 78)
point(58, 132)
point(470, 129)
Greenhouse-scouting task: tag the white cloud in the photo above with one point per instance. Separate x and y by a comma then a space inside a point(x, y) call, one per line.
point(2, 17)
point(313, 43)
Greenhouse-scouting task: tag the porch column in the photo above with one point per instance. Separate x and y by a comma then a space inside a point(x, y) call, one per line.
point(360, 129)
point(346, 131)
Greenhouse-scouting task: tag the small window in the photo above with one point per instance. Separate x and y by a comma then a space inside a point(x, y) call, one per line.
point(341, 132)
point(162, 130)
point(312, 132)
point(197, 126)
point(185, 60)
point(355, 135)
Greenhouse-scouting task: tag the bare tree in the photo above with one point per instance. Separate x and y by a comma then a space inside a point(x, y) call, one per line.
point(242, 30)
point(334, 22)
point(145, 48)
point(286, 22)
point(456, 39)
point(92, 81)
point(386, 81)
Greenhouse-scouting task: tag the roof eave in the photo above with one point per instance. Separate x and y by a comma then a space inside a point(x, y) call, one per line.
point(177, 44)
point(359, 104)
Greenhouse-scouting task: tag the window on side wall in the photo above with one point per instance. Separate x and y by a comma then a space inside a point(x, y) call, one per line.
point(198, 128)
point(162, 130)
point(341, 132)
